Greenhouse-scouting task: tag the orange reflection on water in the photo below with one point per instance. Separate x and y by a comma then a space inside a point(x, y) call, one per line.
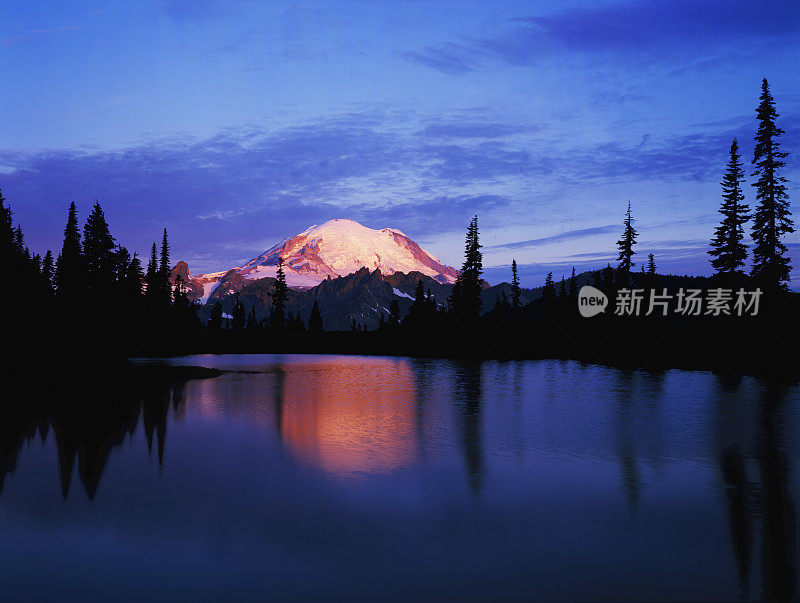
point(351, 416)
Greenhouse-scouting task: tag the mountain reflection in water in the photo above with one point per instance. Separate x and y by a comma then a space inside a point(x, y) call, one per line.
point(545, 480)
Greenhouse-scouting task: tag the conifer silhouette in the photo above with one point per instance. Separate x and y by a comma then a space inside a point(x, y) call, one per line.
point(515, 290)
point(772, 218)
point(279, 298)
point(625, 245)
point(69, 265)
point(315, 319)
point(728, 250)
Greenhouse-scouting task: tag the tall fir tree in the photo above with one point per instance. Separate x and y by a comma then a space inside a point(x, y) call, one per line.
point(48, 271)
point(6, 237)
point(625, 245)
point(315, 319)
point(164, 288)
point(165, 249)
point(573, 284)
point(134, 278)
point(651, 264)
point(771, 218)
point(122, 260)
point(515, 290)
point(151, 279)
point(98, 252)
point(549, 291)
point(394, 313)
point(728, 251)
point(69, 265)
point(279, 299)
point(421, 311)
point(468, 303)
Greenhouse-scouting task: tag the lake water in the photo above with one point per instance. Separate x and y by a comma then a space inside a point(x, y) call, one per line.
point(331, 477)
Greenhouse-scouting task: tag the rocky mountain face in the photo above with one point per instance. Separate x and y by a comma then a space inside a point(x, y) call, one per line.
point(194, 289)
point(361, 296)
point(354, 273)
point(336, 248)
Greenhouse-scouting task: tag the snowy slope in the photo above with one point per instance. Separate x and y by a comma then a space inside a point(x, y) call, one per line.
point(337, 248)
point(209, 282)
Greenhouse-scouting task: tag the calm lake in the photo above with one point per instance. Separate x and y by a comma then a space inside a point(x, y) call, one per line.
point(332, 477)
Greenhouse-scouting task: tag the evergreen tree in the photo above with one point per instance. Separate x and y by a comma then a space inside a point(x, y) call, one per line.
point(180, 299)
point(315, 320)
point(771, 218)
point(19, 246)
point(573, 284)
point(419, 294)
point(394, 313)
point(728, 250)
point(549, 290)
point(431, 301)
point(456, 299)
point(279, 298)
point(48, 271)
point(562, 289)
point(134, 278)
point(419, 311)
point(7, 254)
point(515, 290)
point(151, 279)
point(468, 303)
point(651, 264)
point(69, 266)
point(98, 252)
point(163, 287)
point(165, 249)
point(122, 260)
point(625, 245)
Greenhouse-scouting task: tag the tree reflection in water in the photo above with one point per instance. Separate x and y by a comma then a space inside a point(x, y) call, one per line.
point(345, 422)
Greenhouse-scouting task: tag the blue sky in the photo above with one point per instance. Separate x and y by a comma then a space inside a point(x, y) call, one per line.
point(235, 124)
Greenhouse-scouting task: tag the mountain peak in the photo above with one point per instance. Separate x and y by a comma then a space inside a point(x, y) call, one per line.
point(340, 247)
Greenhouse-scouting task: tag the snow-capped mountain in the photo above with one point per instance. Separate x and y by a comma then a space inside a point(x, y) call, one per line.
point(336, 248)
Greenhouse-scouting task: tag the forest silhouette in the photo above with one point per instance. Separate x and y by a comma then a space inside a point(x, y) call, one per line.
point(95, 300)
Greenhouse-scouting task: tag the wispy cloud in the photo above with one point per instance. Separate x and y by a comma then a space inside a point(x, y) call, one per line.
point(238, 192)
point(557, 238)
point(452, 59)
point(657, 28)
point(475, 130)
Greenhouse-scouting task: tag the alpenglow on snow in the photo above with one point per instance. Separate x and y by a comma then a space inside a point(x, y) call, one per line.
point(336, 248)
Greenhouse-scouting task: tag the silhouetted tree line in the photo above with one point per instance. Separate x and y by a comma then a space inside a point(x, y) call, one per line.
point(551, 325)
point(88, 413)
point(95, 296)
